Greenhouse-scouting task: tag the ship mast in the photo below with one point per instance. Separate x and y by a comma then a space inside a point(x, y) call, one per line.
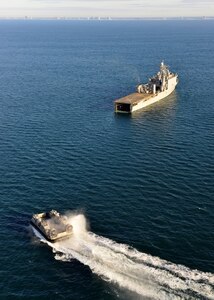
point(164, 73)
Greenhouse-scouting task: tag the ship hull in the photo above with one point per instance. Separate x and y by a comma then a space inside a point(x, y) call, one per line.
point(42, 236)
point(157, 97)
point(39, 233)
point(148, 94)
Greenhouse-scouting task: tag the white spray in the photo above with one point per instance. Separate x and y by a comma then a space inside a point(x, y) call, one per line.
point(139, 272)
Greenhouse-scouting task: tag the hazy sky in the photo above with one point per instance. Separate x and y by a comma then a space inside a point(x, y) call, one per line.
point(120, 8)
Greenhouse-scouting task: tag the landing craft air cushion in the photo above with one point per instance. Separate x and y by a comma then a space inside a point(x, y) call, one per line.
point(52, 225)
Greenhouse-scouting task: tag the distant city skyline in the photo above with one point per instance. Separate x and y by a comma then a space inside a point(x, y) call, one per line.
point(106, 8)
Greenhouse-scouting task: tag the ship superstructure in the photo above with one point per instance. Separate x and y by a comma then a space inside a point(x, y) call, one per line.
point(158, 87)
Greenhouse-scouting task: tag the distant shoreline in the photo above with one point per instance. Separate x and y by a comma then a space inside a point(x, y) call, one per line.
point(109, 18)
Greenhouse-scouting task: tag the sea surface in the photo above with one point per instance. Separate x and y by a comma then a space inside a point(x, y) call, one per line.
point(143, 183)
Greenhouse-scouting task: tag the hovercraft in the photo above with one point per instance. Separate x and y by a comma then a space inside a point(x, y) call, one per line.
point(52, 225)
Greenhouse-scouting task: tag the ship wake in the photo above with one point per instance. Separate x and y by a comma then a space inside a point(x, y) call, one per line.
point(148, 276)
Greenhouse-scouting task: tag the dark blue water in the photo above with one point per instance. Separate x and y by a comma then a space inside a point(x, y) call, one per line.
point(145, 180)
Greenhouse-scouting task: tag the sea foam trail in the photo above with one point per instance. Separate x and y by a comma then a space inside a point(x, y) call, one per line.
point(144, 274)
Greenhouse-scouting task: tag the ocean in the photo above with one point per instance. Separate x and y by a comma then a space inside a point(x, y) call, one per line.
point(138, 188)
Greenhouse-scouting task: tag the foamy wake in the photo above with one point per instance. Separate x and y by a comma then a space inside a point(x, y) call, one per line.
point(144, 274)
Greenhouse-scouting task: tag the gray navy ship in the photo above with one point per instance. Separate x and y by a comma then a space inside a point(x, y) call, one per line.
point(158, 87)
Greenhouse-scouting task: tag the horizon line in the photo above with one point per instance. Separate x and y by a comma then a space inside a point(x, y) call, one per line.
point(108, 18)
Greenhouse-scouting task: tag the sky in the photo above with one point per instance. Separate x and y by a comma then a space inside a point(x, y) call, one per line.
point(105, 8)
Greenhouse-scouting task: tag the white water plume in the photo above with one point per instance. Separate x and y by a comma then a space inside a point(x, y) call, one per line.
point(144, 274)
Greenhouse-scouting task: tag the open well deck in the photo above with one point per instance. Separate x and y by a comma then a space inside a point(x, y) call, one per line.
point(126, 103)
